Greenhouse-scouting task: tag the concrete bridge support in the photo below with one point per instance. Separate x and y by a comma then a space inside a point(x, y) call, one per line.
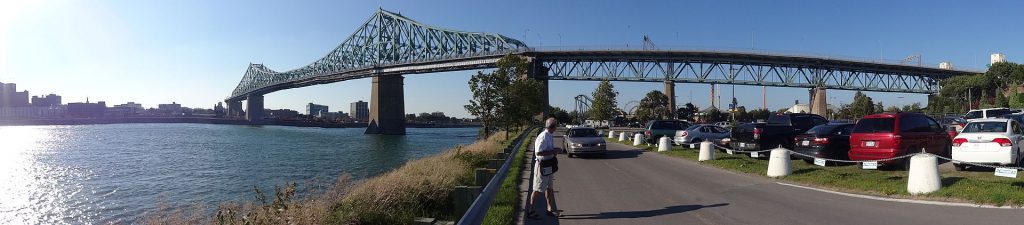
point(819, 105)
point(235, 109)
point(387, 106)
point(541, 73)
point(670, 92)
point(254, 108)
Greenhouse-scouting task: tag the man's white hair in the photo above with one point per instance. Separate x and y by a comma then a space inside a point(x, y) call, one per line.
point(550, 123)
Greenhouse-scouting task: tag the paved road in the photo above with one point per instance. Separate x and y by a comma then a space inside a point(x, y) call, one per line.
point(635, 187)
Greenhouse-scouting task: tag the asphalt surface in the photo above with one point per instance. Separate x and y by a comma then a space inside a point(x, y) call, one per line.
point(630, 186)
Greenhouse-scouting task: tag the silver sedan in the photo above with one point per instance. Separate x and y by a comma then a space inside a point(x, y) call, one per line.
point(584, 140)
point(700, 132)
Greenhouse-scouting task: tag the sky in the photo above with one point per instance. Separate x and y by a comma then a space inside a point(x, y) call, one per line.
point(195, 52)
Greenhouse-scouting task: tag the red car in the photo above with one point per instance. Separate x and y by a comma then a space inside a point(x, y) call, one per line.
point(889, 135)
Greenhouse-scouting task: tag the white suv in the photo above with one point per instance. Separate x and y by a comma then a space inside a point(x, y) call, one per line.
point(986, 113)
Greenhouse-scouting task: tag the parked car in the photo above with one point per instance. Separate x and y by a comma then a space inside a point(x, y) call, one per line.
point(888, 135)
point(954, 121)
point(655, 129)
point(989, 141)
point(583, 140)
point(724, 124)
point(827, 141)
point(1015, 116)
point(986, 113)
point(700, 132)
point(779, 130)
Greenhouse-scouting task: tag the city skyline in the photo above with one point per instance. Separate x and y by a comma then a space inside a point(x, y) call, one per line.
point(195, 52)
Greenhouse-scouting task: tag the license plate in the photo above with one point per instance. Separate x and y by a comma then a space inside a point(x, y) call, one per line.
point(754, 154)
point(743, 145)
point(820, 162)
point(869, 143)
point(728, 151)
point(869, 165)
point(805, 143)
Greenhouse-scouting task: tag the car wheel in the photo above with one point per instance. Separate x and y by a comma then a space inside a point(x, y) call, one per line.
point(569, 155)
point(906, 164)
point(809, 161)
point(959, 167)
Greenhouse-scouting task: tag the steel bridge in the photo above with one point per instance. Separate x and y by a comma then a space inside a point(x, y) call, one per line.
point(389, 45)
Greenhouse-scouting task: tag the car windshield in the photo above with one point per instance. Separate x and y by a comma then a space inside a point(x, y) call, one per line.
point(983, 127)
point(997, 112)
point(821, 129)
point(972, 115)
point(874, 125)
point(778, 119)
point(582, 133)
point(693, 127)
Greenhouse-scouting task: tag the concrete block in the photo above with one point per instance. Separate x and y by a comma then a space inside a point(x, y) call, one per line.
point(923, 176)
point(464, 197)
point(664, 144)
point(495, 163)
point(423, 221)
point(483, 176)
point(444, 223)
point(638, 139)
point(611, 134)
point(778, 163)
point(622, 136)
point(706, 152)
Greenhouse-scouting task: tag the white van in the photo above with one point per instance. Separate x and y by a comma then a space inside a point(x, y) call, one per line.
point(986, 113)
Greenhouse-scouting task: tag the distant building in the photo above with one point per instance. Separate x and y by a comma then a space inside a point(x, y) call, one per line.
point(170, 109)
point(359, 111)
point(282, 113)
point(218, 110)
point(314, 109)
point(11, 97)
point(126, 109)
point(48, 100)
point(438, 114)
point(87, 109)
point(33, 112)
point(799, 108)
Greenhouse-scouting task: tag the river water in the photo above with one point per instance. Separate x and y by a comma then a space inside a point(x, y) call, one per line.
point(89, 174)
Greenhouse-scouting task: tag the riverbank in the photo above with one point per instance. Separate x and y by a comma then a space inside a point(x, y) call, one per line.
point(420, 188)
point(208, 120)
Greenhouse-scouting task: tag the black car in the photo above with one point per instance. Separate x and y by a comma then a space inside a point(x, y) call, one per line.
point(778, 131)
point(827, 141)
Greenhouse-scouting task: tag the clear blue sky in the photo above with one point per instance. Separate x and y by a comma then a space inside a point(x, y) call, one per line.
point(195, 52)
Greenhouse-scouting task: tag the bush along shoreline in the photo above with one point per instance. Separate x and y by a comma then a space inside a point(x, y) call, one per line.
point(977, 187)
point(419, 188)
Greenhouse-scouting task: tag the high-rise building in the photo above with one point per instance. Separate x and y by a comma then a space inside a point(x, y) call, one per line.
point(11, 97)
point(314, 109)
point(359, 111)
point(45, 101)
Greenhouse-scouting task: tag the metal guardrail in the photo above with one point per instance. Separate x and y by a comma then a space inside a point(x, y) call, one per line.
point(476, 212)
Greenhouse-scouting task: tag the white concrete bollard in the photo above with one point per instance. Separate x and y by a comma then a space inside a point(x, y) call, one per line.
point(622, 136)
point(611, 134)
point(923, 176)
point(638, 139)
point(706, 151)
point(664, 144)
point(778, 163)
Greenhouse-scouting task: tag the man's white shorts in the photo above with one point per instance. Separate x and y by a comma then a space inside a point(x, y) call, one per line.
point(541, 183)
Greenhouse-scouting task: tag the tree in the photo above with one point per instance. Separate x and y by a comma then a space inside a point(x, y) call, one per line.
point(653, 106)
point(862, 105)
point(603, 105)
point(505, 97)
point(561, 115)
point(758, 114)
point(687, 111)
point(916, 107)
point(1001, 100)
point(1016, 100)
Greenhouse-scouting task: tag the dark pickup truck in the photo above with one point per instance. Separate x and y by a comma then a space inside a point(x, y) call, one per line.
point(779, 130)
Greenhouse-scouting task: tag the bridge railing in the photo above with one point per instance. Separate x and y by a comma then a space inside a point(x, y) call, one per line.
point(476, 212)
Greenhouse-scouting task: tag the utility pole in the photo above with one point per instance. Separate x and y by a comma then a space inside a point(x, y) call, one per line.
point(764, 105)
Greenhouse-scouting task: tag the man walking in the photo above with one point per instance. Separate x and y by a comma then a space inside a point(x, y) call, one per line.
point(544, 150)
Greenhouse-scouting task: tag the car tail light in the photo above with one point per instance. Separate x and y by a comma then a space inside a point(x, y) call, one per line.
point(896, 140)
point(647, 133)
point(757, 133)
point(821, 140)
point(958, 141)
point(685, 133)
point(1005, 142)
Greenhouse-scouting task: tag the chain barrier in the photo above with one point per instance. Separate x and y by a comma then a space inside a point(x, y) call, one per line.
point(978, 164)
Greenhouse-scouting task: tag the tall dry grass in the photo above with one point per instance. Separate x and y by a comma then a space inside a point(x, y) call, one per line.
point(420, 188)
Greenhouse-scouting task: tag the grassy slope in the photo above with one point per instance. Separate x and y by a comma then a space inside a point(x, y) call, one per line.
point(502, 210)
point(975, 187)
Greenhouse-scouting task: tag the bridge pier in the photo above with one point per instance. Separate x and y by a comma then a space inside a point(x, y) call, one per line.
point(235, 109)
point(540, 73)
point(387, 106)
point(670, 92)
point(254, 108)
point(819, 105)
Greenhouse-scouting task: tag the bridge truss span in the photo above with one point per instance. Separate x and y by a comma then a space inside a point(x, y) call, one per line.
point(741, 69)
